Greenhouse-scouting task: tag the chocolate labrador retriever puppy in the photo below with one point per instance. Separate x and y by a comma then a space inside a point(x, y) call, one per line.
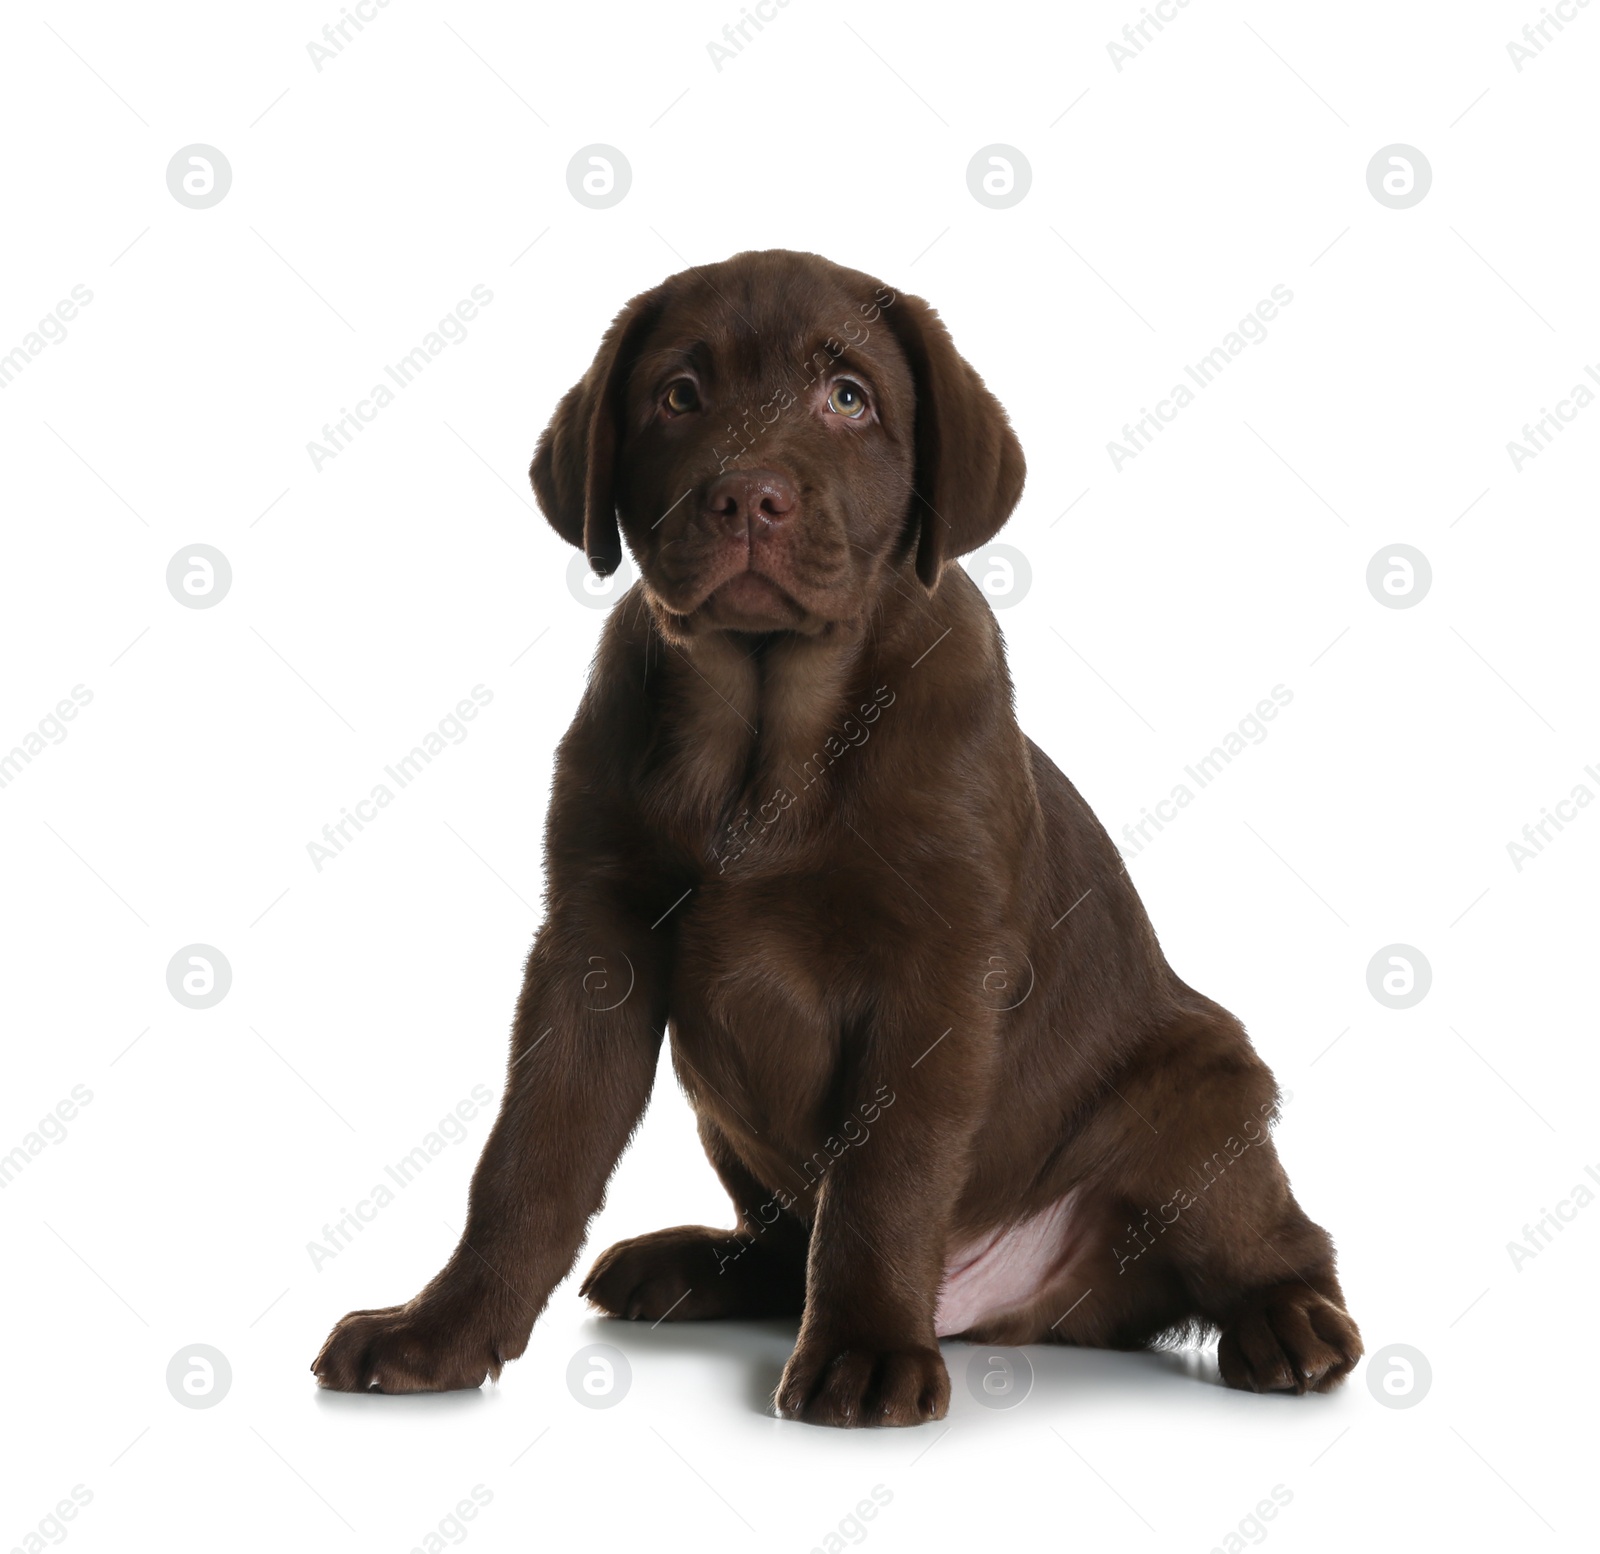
point(938, 1060)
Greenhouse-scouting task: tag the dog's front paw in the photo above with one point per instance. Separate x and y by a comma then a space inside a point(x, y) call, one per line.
point(1288, 1339)
point(863, 1384)
point(407, 1349)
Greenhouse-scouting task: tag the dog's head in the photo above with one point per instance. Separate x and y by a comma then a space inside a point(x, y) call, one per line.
point(775, 435)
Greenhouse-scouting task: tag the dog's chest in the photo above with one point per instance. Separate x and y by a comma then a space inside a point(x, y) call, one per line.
point(768, 980)
point(766, 946)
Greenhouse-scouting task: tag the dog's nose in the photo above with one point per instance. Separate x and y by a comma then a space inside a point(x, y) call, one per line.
point(745, 498)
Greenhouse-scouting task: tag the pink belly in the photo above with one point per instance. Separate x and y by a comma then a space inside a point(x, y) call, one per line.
point(1003, 1270)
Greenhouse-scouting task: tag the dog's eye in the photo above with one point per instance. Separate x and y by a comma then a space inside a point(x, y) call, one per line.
point(848, 400)
point(681, 397)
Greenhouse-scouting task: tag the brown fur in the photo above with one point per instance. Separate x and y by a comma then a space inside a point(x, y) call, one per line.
point(912, 994)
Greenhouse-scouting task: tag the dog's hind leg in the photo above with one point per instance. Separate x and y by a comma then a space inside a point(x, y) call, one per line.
point(1214, 1209)
point(1194, 1229)
point(694, 1272)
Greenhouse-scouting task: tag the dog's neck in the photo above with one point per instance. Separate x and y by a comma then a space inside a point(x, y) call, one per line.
point(759, 721)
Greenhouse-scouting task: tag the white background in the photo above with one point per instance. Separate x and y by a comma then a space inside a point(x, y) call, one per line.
point(1167, 199)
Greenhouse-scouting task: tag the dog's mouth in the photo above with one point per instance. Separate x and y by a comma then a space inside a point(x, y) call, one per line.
point(767, 578)
point(752, 601)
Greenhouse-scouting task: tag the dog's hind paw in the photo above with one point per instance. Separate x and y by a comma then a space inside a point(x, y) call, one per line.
point(1288, 1339)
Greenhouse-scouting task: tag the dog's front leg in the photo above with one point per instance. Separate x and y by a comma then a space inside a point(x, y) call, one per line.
point(583, 1054)
point(867, 1354)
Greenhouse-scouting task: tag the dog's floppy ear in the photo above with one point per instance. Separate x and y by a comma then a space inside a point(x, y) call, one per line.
point(969, 464)
point(574, 465)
